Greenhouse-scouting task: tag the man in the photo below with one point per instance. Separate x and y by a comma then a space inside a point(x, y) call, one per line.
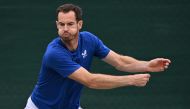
point(66, 64)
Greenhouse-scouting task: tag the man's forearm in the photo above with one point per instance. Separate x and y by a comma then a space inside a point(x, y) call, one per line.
point(102, 81)
point(140, 66)
point(129, 64)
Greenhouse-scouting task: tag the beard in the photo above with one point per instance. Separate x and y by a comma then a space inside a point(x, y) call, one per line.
point(66, 36)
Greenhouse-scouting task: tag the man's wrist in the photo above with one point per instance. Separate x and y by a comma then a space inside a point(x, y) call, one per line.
point(146, 66)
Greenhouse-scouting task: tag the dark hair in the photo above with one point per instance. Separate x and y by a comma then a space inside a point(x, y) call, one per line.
point(71, 7)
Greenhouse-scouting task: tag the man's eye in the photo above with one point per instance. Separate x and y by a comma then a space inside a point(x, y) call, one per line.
point(62, 24)
point(70, 24)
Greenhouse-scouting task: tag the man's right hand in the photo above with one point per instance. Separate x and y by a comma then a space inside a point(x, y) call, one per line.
point(139, 79)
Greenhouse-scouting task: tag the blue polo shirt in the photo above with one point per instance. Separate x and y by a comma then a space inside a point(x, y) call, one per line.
point(54, 90)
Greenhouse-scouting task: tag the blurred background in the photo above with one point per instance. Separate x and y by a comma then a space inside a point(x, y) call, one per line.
point(144, 29)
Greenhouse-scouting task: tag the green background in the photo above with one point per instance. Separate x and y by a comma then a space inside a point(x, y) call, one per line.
point(144, 29)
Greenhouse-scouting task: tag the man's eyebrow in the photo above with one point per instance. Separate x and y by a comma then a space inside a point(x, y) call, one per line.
point(60, 22)
point(64, 23)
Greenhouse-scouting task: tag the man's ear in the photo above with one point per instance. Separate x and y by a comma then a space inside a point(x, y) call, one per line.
point(56, 24)
point(80, 23)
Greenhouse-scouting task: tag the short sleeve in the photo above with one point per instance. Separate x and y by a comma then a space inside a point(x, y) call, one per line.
point(61, 62)
point(101, 50)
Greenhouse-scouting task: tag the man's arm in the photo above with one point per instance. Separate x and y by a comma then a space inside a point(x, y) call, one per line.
point(102, 81)
point(129, 64)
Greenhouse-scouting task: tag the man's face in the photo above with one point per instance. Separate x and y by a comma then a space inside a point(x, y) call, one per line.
point(67, 25)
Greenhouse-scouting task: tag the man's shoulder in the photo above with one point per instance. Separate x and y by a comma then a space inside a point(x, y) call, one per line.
point(55, 44)
point(88, 35)
point(55, 47)
point(54, 41)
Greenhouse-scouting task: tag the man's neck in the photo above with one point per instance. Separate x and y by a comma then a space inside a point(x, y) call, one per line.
point(71, 44)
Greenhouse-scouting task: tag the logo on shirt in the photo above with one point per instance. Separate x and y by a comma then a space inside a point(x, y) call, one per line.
point(84, 54)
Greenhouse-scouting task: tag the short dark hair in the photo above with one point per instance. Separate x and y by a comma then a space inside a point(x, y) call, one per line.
point(71, 7)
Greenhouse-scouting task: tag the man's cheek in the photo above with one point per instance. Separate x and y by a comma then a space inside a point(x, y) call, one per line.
point(60, 31)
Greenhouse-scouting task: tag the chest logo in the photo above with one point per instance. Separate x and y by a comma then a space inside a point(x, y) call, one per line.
point(84, 54)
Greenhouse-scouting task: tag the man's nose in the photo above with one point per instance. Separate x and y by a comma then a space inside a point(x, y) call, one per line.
point(65, 28)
